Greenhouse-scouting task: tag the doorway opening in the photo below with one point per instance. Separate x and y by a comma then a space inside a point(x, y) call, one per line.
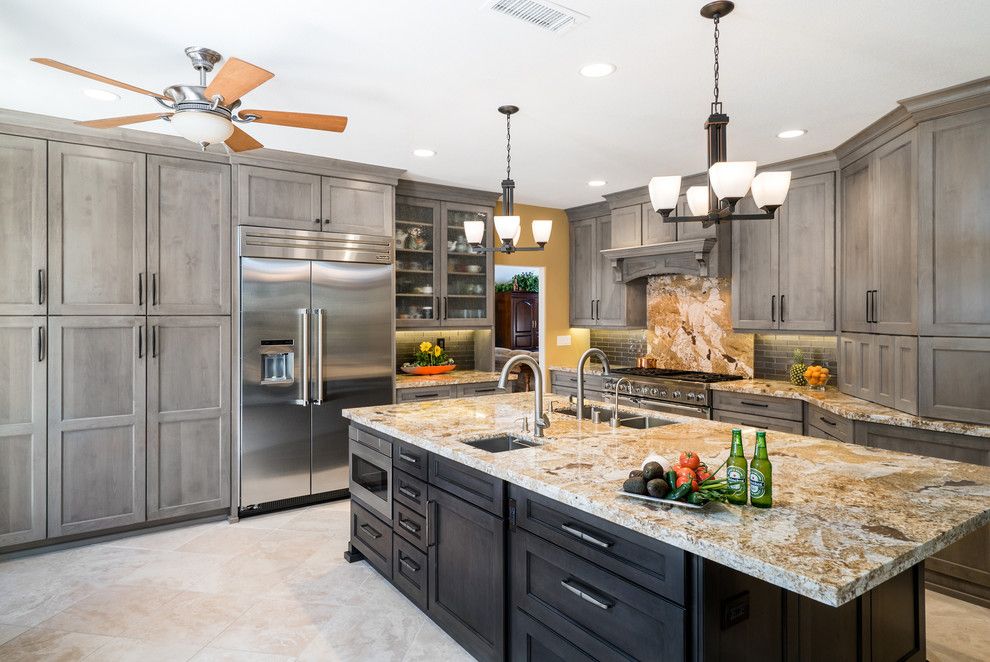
point(520, 312)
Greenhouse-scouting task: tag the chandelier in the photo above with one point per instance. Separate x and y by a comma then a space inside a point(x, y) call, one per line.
point(728, 181)
point(507, 224)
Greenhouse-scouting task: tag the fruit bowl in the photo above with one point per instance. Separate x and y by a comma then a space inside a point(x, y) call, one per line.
point(427, 369)
point(816, 377)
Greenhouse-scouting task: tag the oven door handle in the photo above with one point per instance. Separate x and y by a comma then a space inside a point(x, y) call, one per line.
point(658, 406)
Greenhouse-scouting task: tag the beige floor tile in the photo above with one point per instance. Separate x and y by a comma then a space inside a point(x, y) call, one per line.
point(323, 520)
point(957, 631)
point(119, 649)
point(181, 571)
point(270, 520)
point(51, 646)
point(168, 539)
point(227, 540)
point(210, 654)
point(334, 584)
point(30, 598)
point(432, 644)
point(8, 632)
point(280, 627)
point(111, 611)
point(358, 634)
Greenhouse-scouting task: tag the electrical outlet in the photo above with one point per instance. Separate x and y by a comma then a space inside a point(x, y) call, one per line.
point(441, 343)
point(563, 341)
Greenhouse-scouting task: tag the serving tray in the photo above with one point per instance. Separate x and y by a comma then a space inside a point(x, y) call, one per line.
point(663, 502)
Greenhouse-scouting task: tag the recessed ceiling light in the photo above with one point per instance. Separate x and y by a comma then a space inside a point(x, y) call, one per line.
point(597, 182)
point(100, 95)
point(792, 133)
point(597, 69)
point(423, 152)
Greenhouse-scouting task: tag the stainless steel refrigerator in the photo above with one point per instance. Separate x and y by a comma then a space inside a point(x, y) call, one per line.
point(317, 336)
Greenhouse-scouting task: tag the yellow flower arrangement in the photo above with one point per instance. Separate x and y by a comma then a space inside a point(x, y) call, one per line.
point(430, 355)
point(424, 346)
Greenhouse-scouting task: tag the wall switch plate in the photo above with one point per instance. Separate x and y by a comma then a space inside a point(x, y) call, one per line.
point(563, 341)
point(441, 343)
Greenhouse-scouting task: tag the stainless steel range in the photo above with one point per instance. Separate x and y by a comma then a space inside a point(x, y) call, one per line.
point(657, 389)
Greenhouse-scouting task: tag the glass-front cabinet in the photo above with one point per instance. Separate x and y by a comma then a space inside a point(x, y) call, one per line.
point(439, 281)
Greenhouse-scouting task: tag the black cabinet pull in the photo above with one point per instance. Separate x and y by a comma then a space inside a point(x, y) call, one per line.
point(587, 537)
point(409, 525)
point(154, 341)
point(445, 307)
point(436, 310)
point(140, 342)
point(154, 288)
point(773, 307)
point(42, 343)
point(754, 404)
point(426, 395)
point(140, 288)
point(318, 221)
point(409, 492)
point(781, 307)
point(587, 594)
point(826, 421)
point(868, 319)
point(874, 313)
point(371, 532)
point(408, 458)
point(42, 286)
point(408, 563)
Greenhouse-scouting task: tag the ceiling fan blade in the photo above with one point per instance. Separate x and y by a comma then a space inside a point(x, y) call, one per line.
point(103, 79)
point(110, 122)
point(239, 141)
point(301, 120)
point(235, 79)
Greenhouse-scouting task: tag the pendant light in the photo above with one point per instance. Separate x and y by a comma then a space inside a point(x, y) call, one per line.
point(728, 181)
point(507, 224)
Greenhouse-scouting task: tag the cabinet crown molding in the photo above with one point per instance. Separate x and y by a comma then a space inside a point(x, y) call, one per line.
point(591, 210)
point(447, 193)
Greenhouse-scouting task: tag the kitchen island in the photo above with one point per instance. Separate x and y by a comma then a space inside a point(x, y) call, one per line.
point(832, 571)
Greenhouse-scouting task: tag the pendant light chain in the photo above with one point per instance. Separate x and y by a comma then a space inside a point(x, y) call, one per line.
point(508, 147)
point(716, 107)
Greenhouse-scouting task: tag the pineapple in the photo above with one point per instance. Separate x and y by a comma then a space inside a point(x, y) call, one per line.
point(798, 368)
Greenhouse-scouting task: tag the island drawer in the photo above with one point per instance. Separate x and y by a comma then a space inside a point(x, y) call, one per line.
point(410, 525)
point(371, 537)
point(471, 485)
point(411, 459)
point(534, 642)
point(836, 426)
point(409, 571)
point(423, 394)
point(760, 405)
point(646, 562)
point(605, 615)
point(473, 390)
point(409, 491)
point(373, 442)
point(758, 421)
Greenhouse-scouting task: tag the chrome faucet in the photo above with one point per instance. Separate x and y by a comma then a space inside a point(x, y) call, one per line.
point(615, 409)
point(540, 419)
point(606, 368)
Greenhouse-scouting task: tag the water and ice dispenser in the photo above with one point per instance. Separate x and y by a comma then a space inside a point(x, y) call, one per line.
point(277, 361)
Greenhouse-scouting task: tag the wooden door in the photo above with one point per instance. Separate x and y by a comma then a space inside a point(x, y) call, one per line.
point(583, 271)
point(278, 198)
point(807, 255)
point(655, 231)
point(419, 254)
point(188, 415)
point(354, 207)
point(468, 278)
point(627, 227)
point(23, 226)
point(954, 378)
point(467, 574)
point(96, 423)
point(525, 320)
point(755, 268)
point(895, 240)
point(96, 226)
point(954, 235)
point(610, 297)
point(188, 236)
point(23, 348)
point(855, 275)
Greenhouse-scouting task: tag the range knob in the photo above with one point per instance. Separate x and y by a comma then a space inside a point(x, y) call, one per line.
point(701, 397)
point(676, 394)
point(653, 391)
point(639, 389)
point(663, 393)
point(691, 396)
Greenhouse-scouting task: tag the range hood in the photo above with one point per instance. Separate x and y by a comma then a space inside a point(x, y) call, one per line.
point(692, 257)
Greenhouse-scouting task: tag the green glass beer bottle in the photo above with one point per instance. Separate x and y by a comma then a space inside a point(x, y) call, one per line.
point(736, 469)
point(761, 474)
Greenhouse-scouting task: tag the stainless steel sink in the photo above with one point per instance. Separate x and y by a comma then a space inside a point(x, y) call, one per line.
point(625, 420)
point(643, 422)
point(502, 443)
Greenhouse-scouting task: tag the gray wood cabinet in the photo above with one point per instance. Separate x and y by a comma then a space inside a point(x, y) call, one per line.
point(355, 207)
point(954, 232)
point(188, 415)
point(96, 423)
point(583, 258)
point(954, 378)
point(596, 299)
point(855, 267)
point(880, 368)
point(418, 272)
point(655, 231)
point(783, 269)
point(188, 237)
point(278, 198)
point(23, 226)
point(464, 273)
point(22, 429)
point(627, 227)
point(96, 230)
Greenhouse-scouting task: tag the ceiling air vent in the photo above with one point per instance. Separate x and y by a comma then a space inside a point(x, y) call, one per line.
point(540, 13)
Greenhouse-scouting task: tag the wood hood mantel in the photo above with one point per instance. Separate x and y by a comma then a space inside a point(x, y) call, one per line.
point(690, 257)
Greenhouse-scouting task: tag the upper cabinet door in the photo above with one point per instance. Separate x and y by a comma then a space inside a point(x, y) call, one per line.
point(856, 267)
point(895, 240)
point(655, 231)
point(755, 299)
point(627, 227)
point(188, 237)
point(278, 199)
point(23, 226)
point(807, 255)
point(610, 297)
point(357, 207)
point(583, 271)
point(468, 277)
point(418, 255)
point(96, 242)
point(954, 242)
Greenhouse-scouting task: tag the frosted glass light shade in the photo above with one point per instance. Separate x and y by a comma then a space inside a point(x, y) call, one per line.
point(474, 231)
point(664, 192)
point(731, 179)
point(202, 127)
point(697, 197)
point(541, 231)
point(770, 188)
point(507, 227)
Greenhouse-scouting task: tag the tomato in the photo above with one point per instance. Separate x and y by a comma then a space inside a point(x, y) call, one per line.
point(685, 471)
point(689, 459)
point(683, 479)
point(675, 467)
point(703, 473)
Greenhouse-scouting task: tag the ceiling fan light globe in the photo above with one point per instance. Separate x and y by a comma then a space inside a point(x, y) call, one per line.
point(731, 179)
point(507, 227)
point(474, 231)
point(770, 189)
point(202, 127)
point(697, 198)
point(542, 230)
point(664, 192)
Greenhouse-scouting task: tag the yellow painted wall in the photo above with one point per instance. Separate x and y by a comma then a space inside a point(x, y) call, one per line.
point(554, 260)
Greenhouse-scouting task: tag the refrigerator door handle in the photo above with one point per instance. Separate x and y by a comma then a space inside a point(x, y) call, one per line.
point(304, 362)
point(318, 398)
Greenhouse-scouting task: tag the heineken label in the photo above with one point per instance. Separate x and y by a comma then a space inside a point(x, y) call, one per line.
point(737, 478)
point(757, 483)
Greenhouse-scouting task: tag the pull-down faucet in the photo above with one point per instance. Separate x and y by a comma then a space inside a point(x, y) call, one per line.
point(606, 368)
point(540, 419)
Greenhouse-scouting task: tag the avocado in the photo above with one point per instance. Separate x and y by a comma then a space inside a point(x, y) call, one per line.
point(635, 485)
point(658, 488)
point(652, 470)
point(635, 473)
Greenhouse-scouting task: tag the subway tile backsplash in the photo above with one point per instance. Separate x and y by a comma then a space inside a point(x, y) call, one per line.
point(773, 354)
point(621, 347)
point(459, 345)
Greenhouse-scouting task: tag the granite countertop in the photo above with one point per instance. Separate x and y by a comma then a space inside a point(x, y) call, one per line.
point(849, 407)
point(447, 379)
point(845, 519)
point(592, 367)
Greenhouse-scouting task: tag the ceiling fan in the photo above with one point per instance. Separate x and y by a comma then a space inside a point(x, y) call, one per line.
point(205, 114)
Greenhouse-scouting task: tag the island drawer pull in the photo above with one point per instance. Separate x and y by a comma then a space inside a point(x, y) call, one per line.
point(826, 421)
point(586, 594)
point(409, 492)
point(371, 532)
point(581, 535)
point(420, 396)
point(409, 564)
point(408, 458)
point(754, 404)
point(409, 525)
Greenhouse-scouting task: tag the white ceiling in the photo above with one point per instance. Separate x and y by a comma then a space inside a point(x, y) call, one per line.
point(430, 73)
